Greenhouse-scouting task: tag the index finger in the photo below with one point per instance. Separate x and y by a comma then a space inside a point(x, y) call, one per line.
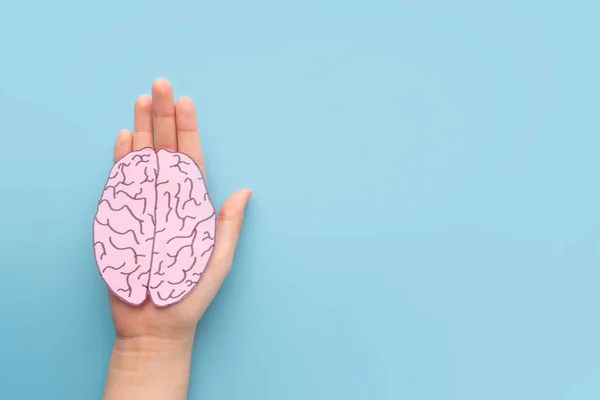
point(188, 136)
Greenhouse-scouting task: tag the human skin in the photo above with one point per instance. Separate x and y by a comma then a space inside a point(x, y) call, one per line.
point(153, 346)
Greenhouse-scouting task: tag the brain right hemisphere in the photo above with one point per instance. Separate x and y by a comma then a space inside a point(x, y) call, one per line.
point(154, 231)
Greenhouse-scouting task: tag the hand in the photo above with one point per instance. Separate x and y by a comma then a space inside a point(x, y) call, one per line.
point(147, 335)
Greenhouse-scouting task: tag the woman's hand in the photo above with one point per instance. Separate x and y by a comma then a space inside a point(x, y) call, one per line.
point(152, 351)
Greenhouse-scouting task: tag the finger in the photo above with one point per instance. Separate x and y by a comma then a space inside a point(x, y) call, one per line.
point(143, 135)
point(229, 224)
point(123, 144)
point(188, 137)
point(163, 115)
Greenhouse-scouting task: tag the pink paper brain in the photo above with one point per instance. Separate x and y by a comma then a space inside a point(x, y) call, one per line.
point(154, 231)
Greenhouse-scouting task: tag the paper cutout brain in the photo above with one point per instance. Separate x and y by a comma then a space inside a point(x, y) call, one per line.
point(154, 231)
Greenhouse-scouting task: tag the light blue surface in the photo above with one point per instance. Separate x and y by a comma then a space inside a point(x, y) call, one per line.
point(426, 213)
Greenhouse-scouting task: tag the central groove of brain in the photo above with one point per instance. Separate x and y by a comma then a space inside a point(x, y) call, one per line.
point(154, 230)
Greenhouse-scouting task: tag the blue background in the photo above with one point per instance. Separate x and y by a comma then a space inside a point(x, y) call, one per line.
point(425, 221)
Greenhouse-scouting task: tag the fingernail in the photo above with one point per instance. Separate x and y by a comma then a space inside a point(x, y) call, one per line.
point(248, 195)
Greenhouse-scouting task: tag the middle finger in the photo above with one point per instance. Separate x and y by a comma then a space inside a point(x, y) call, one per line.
point(163, 114)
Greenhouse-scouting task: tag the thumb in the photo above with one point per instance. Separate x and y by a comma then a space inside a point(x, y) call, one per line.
point(229, 224)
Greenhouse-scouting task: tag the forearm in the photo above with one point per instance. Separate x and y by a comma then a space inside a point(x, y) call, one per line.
point(149, 368)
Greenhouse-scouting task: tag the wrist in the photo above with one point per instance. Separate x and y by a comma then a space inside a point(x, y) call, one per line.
point(149, 367)
point(152, 345)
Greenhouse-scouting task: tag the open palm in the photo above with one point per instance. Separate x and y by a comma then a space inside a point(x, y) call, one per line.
point(161, 123)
